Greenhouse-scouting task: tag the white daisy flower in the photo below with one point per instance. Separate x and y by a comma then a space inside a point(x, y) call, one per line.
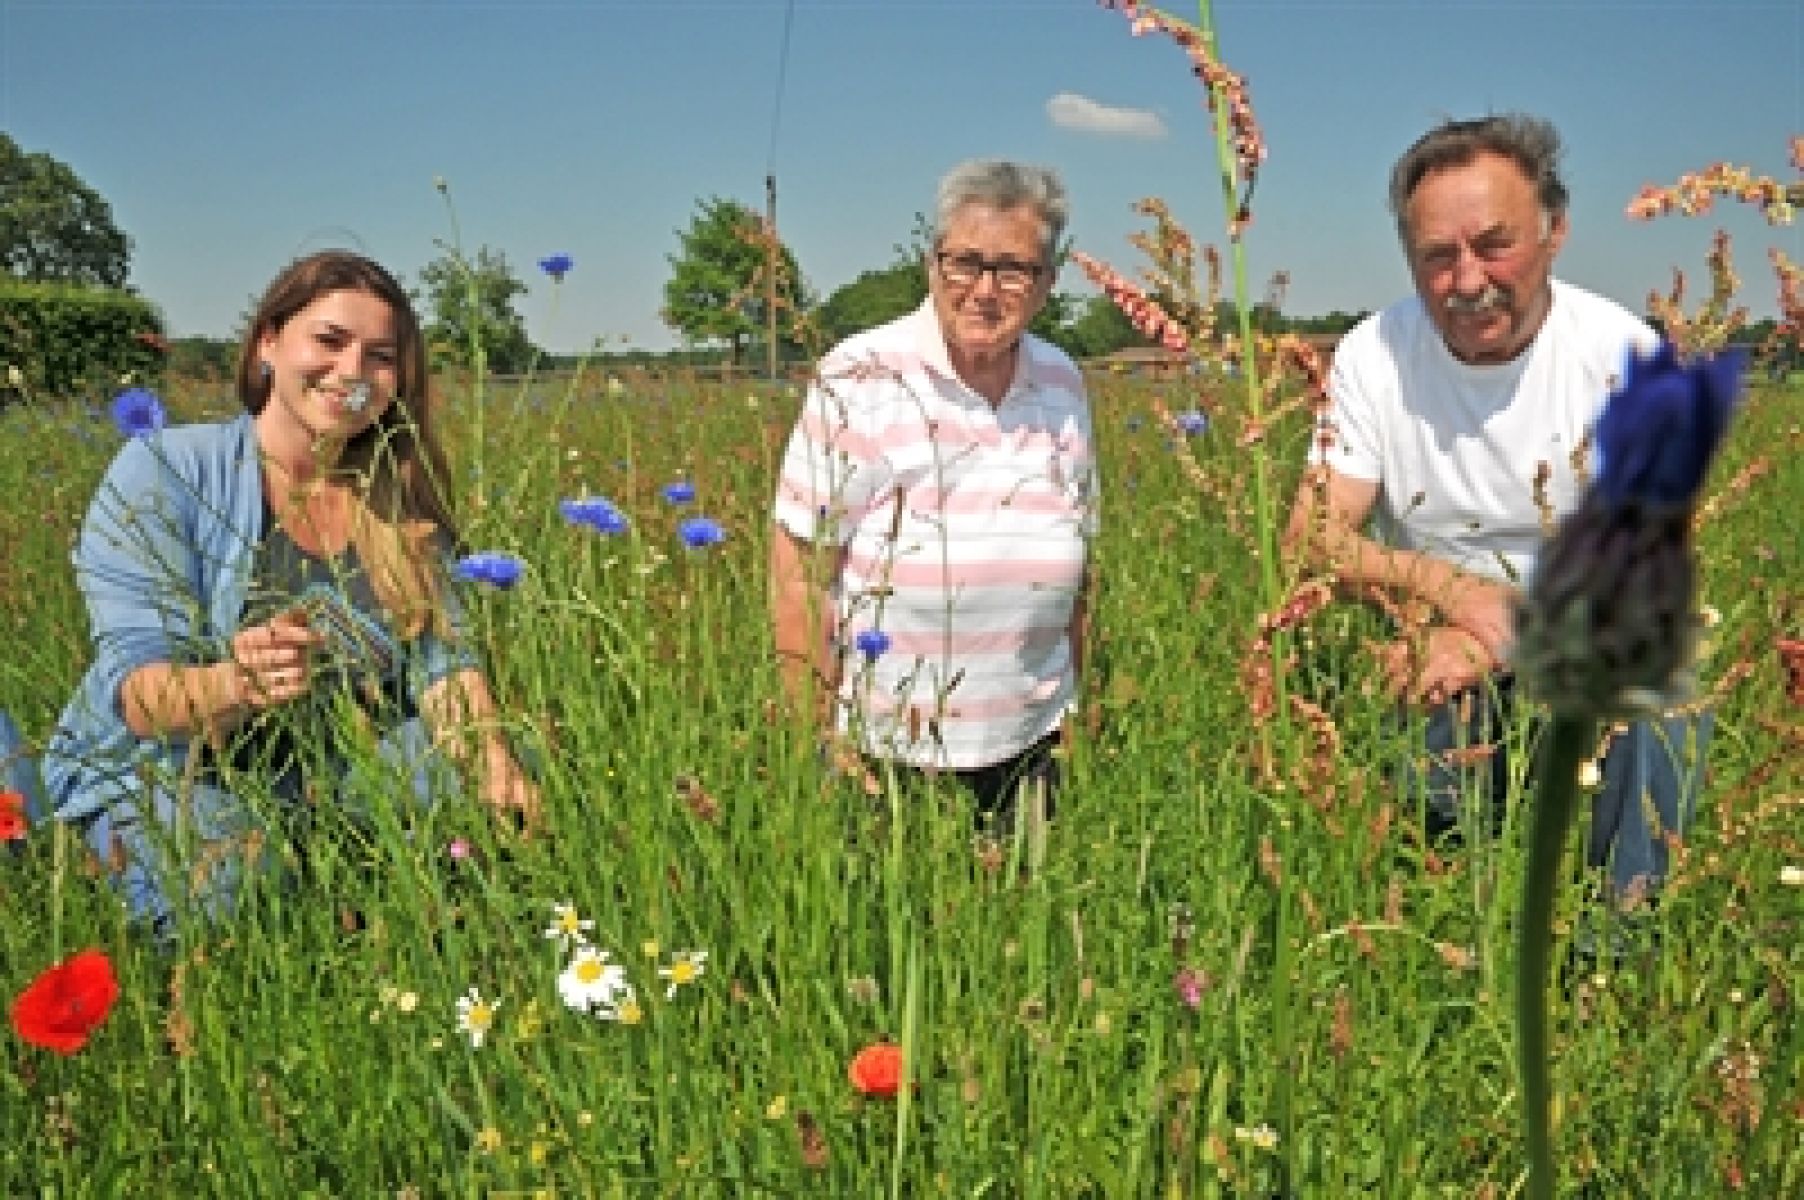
point(567, 927)
point(591, 981)
point(476, 1016)
point(685, 968)
point(1262, 1136)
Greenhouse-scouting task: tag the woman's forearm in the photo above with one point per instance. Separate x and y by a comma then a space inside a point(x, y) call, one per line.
point(166, 700)
point(462, 717)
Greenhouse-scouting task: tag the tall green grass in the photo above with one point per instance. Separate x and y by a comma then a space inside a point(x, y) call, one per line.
point(1053, 1052)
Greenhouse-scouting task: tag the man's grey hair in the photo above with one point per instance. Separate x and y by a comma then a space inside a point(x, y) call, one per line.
point(1530, 142)
point(999, 183)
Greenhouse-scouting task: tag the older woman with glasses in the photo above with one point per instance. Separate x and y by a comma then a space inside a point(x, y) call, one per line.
point(929, 566)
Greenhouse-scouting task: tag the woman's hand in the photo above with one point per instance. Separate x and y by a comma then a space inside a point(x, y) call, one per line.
point(845, 762)
point(274, 660)
point(506, 789)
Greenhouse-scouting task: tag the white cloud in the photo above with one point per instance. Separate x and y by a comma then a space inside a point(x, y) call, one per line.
point(1071, 111)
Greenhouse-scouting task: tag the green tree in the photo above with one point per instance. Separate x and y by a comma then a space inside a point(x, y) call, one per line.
point(872, 299)
point(716, 290)
point(1054, 323)
point(470, 312)
point(1100, 328)
point(54, 227)
point(203, 357)
point(890, 292)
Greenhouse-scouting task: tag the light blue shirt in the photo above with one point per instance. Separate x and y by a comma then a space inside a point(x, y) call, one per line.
point(164, 561)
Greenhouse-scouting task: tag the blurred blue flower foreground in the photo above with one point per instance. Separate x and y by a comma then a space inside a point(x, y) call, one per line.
point(1608, 626)
point(1660, 429)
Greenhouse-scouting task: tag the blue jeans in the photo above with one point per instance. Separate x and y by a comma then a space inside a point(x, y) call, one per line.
point(19, 771)
point(198, 844)
point(1652, 775)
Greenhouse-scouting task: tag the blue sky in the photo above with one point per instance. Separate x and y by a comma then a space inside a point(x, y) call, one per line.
point(232, 135)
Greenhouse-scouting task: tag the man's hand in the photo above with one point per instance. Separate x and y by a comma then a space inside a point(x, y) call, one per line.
point(1484, 609)
point(1437, 667)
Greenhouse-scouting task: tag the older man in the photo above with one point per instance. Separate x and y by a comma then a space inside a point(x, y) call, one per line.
point(1459, 425)
point(929, 561)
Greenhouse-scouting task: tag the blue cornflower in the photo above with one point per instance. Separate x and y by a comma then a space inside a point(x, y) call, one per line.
point(137, 412)
point(1191, 423)
point(598, 514)
point(494, 569)
point(700, 532)
point(872, 643)
point(1660, 428)
point(680, 492)
point(556, 265)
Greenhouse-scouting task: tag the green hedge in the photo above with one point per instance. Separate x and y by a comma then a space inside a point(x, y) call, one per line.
point(60, 342)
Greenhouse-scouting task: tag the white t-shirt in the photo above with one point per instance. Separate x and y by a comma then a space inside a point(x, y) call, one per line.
point(1458, 449)
point(966, 530)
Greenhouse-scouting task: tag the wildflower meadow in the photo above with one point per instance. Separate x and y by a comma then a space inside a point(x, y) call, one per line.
point(1231, 967)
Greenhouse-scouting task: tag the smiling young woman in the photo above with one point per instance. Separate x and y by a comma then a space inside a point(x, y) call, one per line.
point(252, 581)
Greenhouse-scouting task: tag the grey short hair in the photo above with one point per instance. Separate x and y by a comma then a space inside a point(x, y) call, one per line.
point(1532, 143)
point(1000, 183)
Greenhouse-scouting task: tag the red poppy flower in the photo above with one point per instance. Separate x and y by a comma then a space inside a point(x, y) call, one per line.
point(877, 1070)
point(12, 817)
point(65, 1004)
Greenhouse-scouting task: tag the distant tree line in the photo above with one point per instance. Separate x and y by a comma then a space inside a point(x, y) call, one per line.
point(725, 274)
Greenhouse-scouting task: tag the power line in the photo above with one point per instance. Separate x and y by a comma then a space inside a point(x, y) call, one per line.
point(776, 114)
point(770, 196)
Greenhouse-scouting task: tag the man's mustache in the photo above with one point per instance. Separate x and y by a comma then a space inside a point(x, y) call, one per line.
point(1492, 297)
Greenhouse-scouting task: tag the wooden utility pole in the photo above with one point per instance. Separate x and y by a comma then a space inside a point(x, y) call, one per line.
point(770, 273)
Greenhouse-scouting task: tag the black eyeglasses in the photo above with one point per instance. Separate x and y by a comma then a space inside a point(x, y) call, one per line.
point(964, 270)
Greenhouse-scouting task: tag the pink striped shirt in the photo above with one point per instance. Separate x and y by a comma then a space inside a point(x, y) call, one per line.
point(965, 528)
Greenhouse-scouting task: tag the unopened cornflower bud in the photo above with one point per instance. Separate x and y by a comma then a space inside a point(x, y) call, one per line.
point(1609, 624)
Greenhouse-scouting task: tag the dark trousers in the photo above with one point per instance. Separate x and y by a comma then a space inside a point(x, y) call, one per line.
point(997, 788)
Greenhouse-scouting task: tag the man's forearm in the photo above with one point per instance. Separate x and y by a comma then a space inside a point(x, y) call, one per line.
point(1359, 563)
